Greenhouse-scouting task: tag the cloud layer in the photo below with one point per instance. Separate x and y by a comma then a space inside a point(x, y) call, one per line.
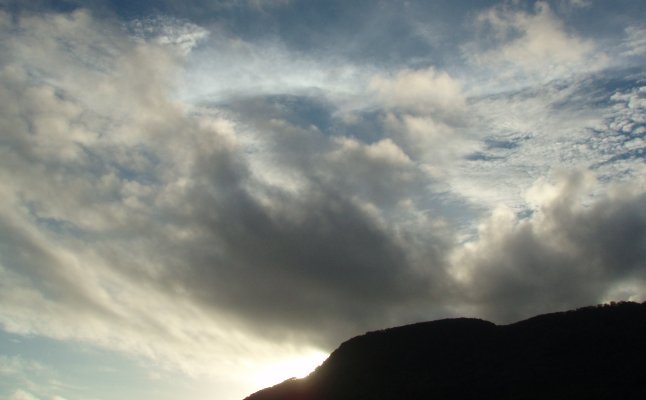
point(210, 229)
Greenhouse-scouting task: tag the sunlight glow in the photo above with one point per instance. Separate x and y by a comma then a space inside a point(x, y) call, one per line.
point(293, 367)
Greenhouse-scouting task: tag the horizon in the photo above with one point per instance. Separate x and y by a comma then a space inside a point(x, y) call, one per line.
point(204, 198)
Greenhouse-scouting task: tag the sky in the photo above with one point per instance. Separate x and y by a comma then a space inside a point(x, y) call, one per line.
point(203, 198)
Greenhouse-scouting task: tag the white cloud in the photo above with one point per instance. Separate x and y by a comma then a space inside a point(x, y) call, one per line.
point(382, 151)
point(169, 31)
point(22, 395)
point(523, 135)
point(424, 90)
point(535, 44)
point(425, 113)
point(435, 142)
point(229, 66)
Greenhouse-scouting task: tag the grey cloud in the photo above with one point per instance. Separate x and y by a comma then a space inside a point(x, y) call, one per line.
point(302, 111)
point(563, 256)
point(317, 259)
point(287, 216)
point(140, 201)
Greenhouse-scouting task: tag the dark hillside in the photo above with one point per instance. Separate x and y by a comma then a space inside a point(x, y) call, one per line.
point(590, 353)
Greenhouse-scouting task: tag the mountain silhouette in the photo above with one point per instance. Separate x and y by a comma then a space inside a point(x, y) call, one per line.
point(590, 353)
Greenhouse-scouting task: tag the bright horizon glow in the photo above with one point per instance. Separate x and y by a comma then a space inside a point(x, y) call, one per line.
point(293, 367)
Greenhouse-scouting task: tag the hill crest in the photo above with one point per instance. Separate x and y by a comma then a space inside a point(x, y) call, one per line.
point(592, 352)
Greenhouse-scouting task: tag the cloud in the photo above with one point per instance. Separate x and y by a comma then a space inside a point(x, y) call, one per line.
point(635, 41)
point(546, 261)
point(380, 167)
point(419, 90)
point(519, 136)
point(128, 208)
point(22, 395)
point(168, 31)
point(425, 112)
point(16, 365)
point(431, 140)
point(85, 172)
point(580, 3)
point(250, 220)
point(228, 66)
point(535, 43)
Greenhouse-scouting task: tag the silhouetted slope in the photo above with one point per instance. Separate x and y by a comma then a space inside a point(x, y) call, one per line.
point(590, 353)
